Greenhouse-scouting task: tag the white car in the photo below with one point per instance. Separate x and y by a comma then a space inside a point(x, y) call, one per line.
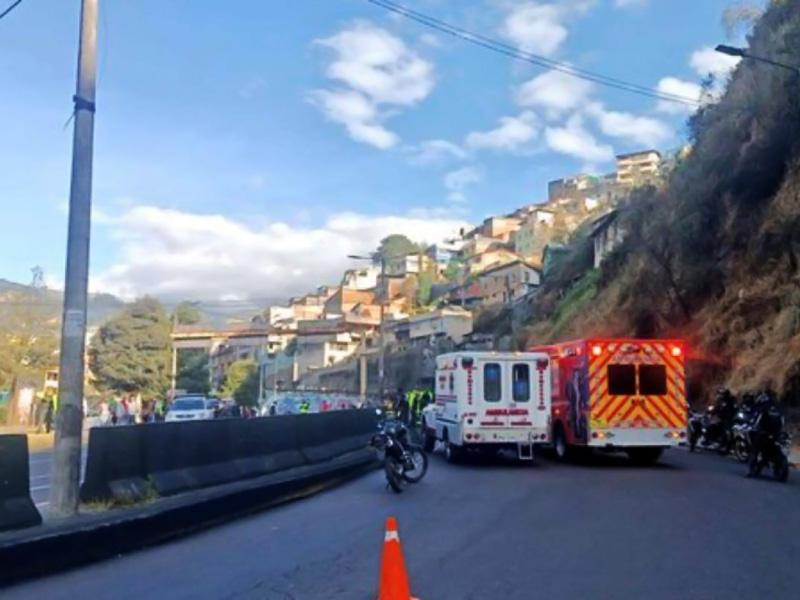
point(191, 408)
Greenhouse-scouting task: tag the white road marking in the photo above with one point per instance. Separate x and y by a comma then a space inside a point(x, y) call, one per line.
point(40, 487)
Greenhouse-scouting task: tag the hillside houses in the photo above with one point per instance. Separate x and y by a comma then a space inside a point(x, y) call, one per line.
point(429, 294)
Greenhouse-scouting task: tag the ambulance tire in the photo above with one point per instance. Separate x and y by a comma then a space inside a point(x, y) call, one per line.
point(429, 440)
point(645, 456)
point(560, 446)
point(452, 452)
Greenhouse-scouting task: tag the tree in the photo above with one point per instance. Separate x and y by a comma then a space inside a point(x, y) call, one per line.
point(187, 313)
point(193, 371)
point(425, 283)
point(28, 342)
point(241, 383)
point(131, 353)
point(394, 246)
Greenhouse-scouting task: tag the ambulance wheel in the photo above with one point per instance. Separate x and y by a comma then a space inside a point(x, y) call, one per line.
point(560, 443)
point(452, 452)
point(429, 440)
point(645, 456)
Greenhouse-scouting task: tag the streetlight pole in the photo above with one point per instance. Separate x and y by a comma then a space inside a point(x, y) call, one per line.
point(66, 469)
point(742, 53)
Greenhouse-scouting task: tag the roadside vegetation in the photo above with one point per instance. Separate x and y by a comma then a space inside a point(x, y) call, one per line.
point(712, 256)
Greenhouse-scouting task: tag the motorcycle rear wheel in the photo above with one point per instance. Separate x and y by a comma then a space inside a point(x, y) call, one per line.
point(781, 470)
point(420, 460)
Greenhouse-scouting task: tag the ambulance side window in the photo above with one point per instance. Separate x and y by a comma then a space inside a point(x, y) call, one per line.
point(521, 380)
point(492, 390)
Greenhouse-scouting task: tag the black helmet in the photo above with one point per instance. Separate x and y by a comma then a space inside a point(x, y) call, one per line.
point(763, 399)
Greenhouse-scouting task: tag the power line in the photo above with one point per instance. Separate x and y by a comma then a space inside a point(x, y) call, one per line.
point(10, 8)
point(518, 54)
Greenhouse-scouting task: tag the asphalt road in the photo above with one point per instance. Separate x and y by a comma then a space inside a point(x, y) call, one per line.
point(40, 466)
point(691, 528)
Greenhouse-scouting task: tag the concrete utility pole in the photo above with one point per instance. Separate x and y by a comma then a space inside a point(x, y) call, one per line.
point(66, 470)
point(382, 334)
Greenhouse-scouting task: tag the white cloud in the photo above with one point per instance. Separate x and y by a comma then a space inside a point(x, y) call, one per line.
point(630, 3)
point(574, 140)
point(176, 254)
point(434, 152)
point(357, 114)
point(708, 61)
point(678, 87)
point(646, 131)
point(381, 73)
point(554, 91)
point(254, 86)
point(458, 181)
point(535, 27)
point(511, 135)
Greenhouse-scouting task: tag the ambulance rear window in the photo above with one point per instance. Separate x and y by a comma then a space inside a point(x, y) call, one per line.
point(652, 380)
point(521, 378)
point(491, 382)
point(622, 380)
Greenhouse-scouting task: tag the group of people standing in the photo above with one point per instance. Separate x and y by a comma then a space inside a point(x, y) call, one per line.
point(408, 406)
point(129, 410)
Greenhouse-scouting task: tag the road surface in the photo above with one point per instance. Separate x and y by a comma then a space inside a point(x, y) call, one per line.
point(690, 528)
point(40, 465)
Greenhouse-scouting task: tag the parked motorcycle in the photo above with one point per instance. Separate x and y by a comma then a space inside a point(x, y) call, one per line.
point(403, 461)
point(742, 426)
point(776, 457)
point(709, 433)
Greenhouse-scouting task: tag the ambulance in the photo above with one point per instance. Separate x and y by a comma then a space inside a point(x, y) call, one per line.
point(618, 395)
point(489, 401)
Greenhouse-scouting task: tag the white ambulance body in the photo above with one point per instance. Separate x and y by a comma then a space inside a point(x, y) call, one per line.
point(490, 401)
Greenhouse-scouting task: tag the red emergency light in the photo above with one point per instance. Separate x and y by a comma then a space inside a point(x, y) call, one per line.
point(597, 350)
point(676, 351)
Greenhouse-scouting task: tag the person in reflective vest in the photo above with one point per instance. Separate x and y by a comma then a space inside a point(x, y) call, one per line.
point(305, 407)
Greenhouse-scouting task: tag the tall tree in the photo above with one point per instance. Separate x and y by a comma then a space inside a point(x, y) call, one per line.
point(187, 313)
point(193, 371)
point(393, 246)
point(131, 353)
point(28, 342)
point(241, 383)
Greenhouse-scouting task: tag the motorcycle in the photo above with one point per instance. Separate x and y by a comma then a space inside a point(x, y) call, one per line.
point(403, 461)
point(709, 434)
point(776, 456)
point(742, 426)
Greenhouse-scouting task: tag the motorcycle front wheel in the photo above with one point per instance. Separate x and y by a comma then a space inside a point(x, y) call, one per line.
point(393, 468)
point(420, 461)
point(740, 450)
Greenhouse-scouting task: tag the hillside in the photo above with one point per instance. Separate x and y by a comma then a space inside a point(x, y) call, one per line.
point(713, 256)
point(49, 302)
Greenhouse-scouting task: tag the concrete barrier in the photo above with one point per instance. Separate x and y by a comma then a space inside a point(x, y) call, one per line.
point(170, 458)
point(17, 509)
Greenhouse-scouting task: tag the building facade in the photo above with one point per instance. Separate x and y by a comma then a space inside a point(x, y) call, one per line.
point(508, 283)
point(638, 168)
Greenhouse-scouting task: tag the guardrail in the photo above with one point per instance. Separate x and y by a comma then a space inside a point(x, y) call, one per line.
point(134, 462)
point(17, 509)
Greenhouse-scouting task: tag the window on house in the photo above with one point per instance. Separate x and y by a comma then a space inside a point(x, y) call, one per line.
point(492, 389)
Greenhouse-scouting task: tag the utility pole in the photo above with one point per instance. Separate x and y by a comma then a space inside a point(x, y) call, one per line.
point(382, 334)
point(66, 469)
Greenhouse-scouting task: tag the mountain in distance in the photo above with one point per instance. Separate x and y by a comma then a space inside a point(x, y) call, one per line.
point(214, 313)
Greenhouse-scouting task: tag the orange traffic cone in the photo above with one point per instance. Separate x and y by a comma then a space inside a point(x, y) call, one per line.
point(394, 579)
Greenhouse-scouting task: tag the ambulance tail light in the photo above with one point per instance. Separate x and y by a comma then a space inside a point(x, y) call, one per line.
point(597, 350)
point(676, 351)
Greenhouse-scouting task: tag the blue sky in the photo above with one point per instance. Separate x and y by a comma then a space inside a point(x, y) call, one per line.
point(244, 148)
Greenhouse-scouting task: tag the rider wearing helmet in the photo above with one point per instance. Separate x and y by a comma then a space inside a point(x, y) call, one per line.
point(767, 427)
